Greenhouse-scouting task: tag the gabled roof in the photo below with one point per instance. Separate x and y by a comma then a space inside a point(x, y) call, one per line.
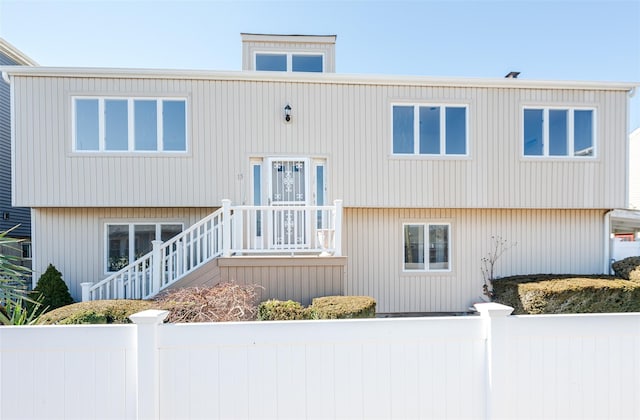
point(15, 54)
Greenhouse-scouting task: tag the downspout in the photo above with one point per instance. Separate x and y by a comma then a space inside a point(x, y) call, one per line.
point(5, 77)
point(607, 243)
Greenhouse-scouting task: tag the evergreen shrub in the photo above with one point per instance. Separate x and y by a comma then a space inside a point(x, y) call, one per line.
point(52, 290)
point(343, 307)
point(628, 268)
point(278, 310)
point(554, 294)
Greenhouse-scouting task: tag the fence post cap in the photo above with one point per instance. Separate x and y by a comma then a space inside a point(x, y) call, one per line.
point(493, 309)
point(150, 316)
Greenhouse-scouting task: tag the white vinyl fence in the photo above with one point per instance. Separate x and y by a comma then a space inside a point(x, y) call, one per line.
point(492, 366)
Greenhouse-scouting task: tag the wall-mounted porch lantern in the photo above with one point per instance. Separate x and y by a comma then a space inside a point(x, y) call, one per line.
point(287, 113)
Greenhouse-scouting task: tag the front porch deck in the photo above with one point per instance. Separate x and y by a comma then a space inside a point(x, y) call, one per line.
point(292, 252)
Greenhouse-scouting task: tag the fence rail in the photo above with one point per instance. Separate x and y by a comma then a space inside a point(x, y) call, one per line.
point(492, 366)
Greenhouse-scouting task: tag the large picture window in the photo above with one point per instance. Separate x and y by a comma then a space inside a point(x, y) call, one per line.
point(426, 247)
point(126, 242)
point(129, 124)
point(558, 132)
point(435, 130)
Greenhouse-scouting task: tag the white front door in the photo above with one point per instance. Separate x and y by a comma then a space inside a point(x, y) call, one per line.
point(289, 186)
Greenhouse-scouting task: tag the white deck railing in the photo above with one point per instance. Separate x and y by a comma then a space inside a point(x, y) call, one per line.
point(285, 230)
point(231, 230)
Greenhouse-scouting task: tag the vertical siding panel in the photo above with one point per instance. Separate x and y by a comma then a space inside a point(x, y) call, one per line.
point(350, 124)
point(73, 239)
point(374, 250)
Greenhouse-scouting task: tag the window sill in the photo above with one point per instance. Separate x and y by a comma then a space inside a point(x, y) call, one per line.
point(128, 154)
point(433, 273)
point(428, 157)
point(559, 159)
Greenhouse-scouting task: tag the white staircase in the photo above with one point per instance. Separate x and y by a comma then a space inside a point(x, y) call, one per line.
point(239, 230)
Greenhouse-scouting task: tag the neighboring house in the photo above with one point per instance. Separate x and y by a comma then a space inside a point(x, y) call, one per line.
point(428, 170)
point(10, 216)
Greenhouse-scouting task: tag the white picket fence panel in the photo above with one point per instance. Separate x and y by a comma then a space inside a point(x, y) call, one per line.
point(492, 366)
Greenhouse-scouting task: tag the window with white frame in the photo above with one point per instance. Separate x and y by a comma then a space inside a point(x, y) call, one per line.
point(426, 247)
point(290, 62)
point(112, 124)
point(126, 242)
point(558, 132)
point(425, 129)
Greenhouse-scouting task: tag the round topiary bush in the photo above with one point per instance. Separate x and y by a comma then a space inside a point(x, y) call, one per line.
point(51, 291)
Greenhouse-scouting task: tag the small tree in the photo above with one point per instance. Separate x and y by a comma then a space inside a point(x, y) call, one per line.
point(51, 291)
point(499, 246)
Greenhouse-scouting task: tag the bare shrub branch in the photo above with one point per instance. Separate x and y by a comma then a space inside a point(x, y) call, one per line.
point(220, 303)
point(499, 246)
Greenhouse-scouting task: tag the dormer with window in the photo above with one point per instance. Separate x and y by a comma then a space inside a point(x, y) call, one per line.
point(289, 53)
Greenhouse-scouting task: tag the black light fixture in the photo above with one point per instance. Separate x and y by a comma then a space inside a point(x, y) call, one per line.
point(287, 113)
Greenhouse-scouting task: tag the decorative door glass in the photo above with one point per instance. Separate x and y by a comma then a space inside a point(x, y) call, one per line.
point(288, 182)
point(289, 185)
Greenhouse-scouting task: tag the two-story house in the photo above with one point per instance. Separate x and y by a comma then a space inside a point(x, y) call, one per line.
point(16, 218)
point(387, 186)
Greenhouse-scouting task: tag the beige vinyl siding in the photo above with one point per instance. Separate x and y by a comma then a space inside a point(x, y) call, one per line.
point(230, 121)
point(73, 239)
point(548, 241)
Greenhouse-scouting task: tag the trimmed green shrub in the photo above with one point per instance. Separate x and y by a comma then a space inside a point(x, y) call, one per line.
point(628, 268)
point(88, 317)
point(278, 310)
point(98, 312)
point(552, 294)
point(51, 291)
point(343, 307)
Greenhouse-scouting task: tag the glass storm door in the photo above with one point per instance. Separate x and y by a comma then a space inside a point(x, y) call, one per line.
point(289, 186)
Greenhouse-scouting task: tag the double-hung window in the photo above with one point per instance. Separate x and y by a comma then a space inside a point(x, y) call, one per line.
point(129, 124)
point(291, 62)
point(427, 247)
point(435, 130)
point(558, 132)
point(126, 242)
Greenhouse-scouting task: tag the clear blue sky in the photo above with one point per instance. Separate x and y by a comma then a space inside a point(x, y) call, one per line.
point(555, 40)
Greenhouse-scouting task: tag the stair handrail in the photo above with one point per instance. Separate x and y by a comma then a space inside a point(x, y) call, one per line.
point(135, 280)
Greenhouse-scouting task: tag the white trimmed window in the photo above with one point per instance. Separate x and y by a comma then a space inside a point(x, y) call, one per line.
point(430, 129)
point(289, 62)
point(427, 246)
point(129, 124)
point(126, 242)
point(558, 132)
